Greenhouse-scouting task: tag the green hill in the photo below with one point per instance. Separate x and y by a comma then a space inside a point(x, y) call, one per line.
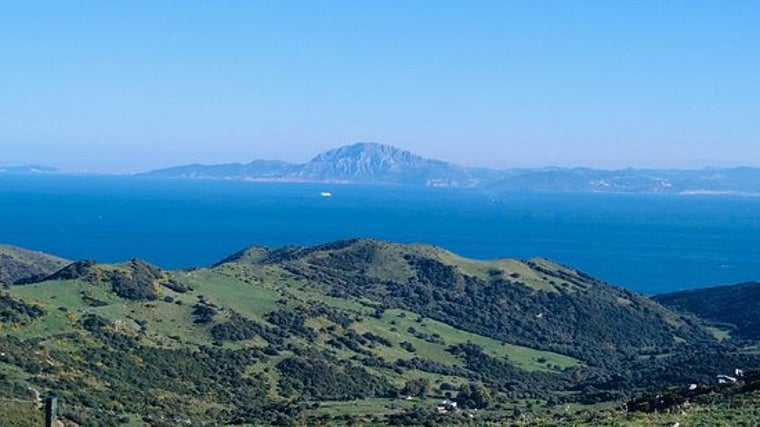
point(18, 264)
point(340, 333)
point(736, 307)
point(536, 302)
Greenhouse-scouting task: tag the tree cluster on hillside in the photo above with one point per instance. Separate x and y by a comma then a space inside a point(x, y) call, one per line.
point(735, 307)
point(16, 311)
point(325, 379)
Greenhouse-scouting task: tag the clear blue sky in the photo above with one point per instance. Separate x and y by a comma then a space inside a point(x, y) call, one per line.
point(134, 85)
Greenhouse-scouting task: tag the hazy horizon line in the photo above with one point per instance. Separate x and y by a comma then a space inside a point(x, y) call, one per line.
point(549, 166)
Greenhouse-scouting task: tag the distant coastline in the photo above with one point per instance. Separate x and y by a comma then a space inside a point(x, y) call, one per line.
point(372, 163)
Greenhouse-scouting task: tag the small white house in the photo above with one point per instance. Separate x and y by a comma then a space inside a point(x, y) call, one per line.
point(448, 404)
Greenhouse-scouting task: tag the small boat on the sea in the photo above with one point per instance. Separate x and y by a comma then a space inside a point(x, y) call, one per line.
point(325, 194)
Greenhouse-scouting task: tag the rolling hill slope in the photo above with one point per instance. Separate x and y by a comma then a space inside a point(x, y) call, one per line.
point(18, 263)
point(736, 306)
point(534, 302)
point(340, 333)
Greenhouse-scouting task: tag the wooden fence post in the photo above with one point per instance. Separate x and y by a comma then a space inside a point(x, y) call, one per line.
point(51, 409)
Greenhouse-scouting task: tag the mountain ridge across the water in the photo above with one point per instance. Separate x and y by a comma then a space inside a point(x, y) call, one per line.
point(373, 163)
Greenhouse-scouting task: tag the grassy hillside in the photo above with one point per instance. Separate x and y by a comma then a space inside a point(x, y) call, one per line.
point(17, 264)
point(534, 303)
point(351, 331)
point(736, 307)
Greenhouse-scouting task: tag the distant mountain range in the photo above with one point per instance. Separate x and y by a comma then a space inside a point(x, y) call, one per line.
point(357, 163)
point(371, 163)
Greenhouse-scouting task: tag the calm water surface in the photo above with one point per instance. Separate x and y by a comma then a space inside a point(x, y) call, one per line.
point(647, 243)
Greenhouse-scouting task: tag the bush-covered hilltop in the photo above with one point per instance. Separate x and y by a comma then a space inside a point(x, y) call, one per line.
point(534, 303)
point(358, 330)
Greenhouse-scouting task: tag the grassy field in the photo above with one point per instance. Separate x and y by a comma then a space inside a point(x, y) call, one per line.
point(395, 325)
point(262, 290)
point(19, 414)
point(719, 334)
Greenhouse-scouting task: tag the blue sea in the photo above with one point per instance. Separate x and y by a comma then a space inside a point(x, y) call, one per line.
point(647, 243)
